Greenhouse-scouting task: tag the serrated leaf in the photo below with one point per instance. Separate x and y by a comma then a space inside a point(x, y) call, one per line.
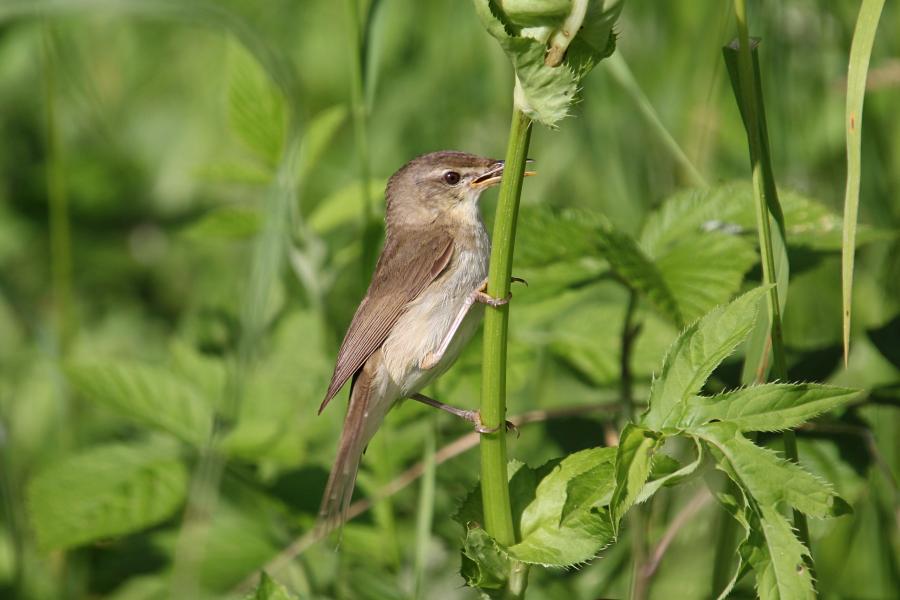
point(681, 473)
point(729, 209)
point(225, 223)
point(269, 589)
point(705, 270)
point(630, 263)
point(778, 559)
point(106, 491)
point(593, 487)
point(770, 407)
point(149, 395)
point(484, 565)
point(769, 479)
point(548, 237)
point(694, 356)
point(734, 501)
point(344, 206)
point(634, 458)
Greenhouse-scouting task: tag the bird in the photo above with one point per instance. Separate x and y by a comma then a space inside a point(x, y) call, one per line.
point(424, 302)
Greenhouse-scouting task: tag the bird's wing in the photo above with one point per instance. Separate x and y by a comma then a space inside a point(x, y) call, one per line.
point(404, 270)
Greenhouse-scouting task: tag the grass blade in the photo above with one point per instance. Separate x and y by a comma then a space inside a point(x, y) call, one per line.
point(860, 51)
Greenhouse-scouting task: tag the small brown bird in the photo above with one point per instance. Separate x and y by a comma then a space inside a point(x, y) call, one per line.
point(423, 304)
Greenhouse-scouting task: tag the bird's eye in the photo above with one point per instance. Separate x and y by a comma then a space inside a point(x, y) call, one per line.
point(451, 177)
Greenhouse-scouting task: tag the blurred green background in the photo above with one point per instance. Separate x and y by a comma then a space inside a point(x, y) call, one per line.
point(182, 245)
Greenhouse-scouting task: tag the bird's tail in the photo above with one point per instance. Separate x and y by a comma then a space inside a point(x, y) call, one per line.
point(354, 438)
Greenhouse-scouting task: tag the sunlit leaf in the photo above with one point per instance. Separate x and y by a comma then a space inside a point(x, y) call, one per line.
point(634, 458)
point(694, 356)
point(269, 589)
point(769, 407)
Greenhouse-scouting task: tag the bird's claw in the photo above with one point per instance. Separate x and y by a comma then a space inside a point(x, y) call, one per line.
point(491, 301)
point(481, 428)
point(518, 280)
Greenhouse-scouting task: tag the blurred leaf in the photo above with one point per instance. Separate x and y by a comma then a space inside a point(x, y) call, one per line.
point(547, 237)
point(233, 222)
point(728, 209)
point(150, 395)
point(269, 589)
point(105, 491)
point(887, 339)
point(769, 407)
point(634, 458)
point(256, 108)
point(694, 356)
point(344, 206)
point(857, 71)
point(319, 133)
point(734, 501)
point(634, 267)
point(769, 479)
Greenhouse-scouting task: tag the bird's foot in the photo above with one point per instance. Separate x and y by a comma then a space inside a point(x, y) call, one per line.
point(481, 428)
point(484, 298)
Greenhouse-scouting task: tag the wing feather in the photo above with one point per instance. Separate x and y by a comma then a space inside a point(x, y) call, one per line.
point(404, 270)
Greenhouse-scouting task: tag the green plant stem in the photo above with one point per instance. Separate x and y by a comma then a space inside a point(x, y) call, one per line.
point(359, 110)
point(425, 517)
point(494, 479)
point(58, 204)
point(760, 182)
point(622, 75)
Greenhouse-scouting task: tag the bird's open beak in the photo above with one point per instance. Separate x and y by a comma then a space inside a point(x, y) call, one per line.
point(493, 175)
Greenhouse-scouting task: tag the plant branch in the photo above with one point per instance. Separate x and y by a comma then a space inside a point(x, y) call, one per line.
point(494, 478)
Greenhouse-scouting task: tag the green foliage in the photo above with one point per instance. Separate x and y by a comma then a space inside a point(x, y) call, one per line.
point(161, 441)
point(109, 490)
point(269, 589)
point(573, 507)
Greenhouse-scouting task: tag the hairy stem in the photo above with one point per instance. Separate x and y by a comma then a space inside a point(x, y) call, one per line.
point(494, 479)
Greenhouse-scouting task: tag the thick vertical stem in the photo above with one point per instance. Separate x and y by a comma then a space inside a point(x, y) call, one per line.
point(494, 479)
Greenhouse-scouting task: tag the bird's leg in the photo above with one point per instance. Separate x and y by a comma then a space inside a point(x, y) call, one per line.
point(478, 295)
point(433, 358)
point(472, 416)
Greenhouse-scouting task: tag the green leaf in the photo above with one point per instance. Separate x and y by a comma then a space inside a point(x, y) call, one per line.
point(150, 395)
point(769, 479)
point(530, 13)
point(269, 589)
point(543, 93)
point(484, 565)
point(734, 501)
point(778, 559)
point(634, 458)
point(256, 109)
point(694, 356)
point(546, 537)
point(233, 222)
point(593, 487)
point(344, 206)
point(860, 51)
point(319, 133)
point(674, 477)
point(630, 263)
point(705, 270)
point(770, 407)
point(106, 491)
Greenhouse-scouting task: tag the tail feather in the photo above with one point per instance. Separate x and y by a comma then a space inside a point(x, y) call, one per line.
point(341, 481)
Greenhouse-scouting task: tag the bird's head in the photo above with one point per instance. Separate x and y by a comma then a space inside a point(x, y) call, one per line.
point(440, 186)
